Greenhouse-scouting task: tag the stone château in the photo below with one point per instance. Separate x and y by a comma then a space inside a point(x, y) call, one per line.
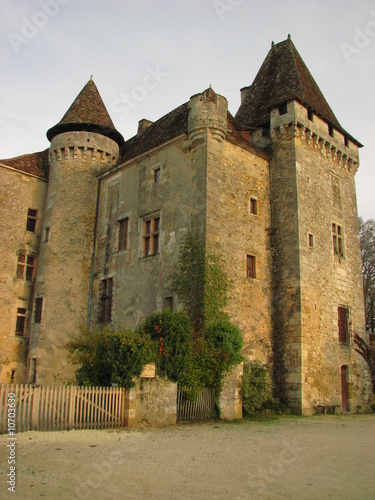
point(92, 228)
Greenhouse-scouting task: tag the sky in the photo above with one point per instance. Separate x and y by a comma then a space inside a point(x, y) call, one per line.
point(149, 56)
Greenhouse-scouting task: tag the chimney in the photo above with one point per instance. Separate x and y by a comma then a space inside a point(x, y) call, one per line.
point(142, 125)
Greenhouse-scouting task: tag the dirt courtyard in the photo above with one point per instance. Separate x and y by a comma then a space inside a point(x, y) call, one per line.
point(288, 457)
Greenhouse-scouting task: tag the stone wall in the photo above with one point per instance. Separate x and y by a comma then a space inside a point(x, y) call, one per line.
point(230, 397)
point(63, 280)
point(141, 283)
point(153, 401)
point(234, 177)
point(18, 192)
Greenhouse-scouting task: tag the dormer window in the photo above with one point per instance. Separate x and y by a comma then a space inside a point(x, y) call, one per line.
point(283, 109)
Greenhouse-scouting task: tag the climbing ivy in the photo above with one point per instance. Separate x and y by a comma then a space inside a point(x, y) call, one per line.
point(201, 283)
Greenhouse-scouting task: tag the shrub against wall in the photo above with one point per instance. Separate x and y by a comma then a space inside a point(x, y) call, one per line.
point(107, 356)
point(256, 391)
point(171, 336)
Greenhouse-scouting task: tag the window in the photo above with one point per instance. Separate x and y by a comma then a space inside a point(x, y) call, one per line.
point(151, 236)
point(250, 267)
point(168, 303)
point(21, 321)
point(32, 216)
point(46, 234)
point(253, 206)
point(335, 191)
point(33, 371)
point(331, 130)
point(105, 301)
point(25, 267)
point(21, 261)
point(38, 310)
point(344, 388)
point(122, 232)
point(157, 175)
point(311, 240)
point(283, 109)
point(343, 325)
point(337, 236)
point(310, 114)
point(30, 267)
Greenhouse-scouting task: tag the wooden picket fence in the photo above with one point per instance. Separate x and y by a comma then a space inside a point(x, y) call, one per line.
point(202, 409)
point(60, 407)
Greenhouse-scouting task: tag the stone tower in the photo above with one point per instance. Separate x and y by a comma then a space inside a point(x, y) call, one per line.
point(317, 282)
point(83, 143)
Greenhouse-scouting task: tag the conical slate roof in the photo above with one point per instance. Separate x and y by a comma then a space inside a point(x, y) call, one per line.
point(87, 113)
point(282, 77)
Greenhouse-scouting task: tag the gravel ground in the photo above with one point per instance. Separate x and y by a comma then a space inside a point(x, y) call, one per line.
point(288, 457)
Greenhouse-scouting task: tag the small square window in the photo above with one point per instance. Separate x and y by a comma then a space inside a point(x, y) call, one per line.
point(157, 175)
point(38, 310)
point(250, 266)
point(32, 217)
point(168, 303)
point(253, 206)
point(122, 234)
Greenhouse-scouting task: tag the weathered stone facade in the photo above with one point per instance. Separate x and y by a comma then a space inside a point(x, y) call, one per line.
point(271, 189)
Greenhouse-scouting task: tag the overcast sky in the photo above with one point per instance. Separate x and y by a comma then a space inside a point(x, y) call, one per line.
point(149, 56)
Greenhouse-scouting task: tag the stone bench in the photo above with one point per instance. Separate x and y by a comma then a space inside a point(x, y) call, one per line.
point(327, 407)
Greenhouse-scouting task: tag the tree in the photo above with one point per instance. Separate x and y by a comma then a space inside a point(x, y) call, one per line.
point(367, 240)
point(368, 354)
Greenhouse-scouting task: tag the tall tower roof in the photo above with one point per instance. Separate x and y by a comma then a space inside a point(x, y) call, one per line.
point(282, 77)
point(87, 113)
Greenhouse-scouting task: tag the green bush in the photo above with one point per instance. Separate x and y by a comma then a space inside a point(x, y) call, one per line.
point(227, 340)
point(171, 334)
point(109, 356)
point(256, 391)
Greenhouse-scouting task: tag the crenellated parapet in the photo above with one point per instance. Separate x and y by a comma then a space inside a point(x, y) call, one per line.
point(86, 147)
point(316, 134)
point(84, 153)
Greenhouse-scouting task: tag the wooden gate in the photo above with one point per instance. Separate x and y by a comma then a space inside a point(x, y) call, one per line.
point(202, 409)
point(60, 407)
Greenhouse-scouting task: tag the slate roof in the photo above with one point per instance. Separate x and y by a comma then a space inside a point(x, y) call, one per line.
point(34, 163)
point(88, 113)
point(282, 77)
point(166, 128)
point(172, 125)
